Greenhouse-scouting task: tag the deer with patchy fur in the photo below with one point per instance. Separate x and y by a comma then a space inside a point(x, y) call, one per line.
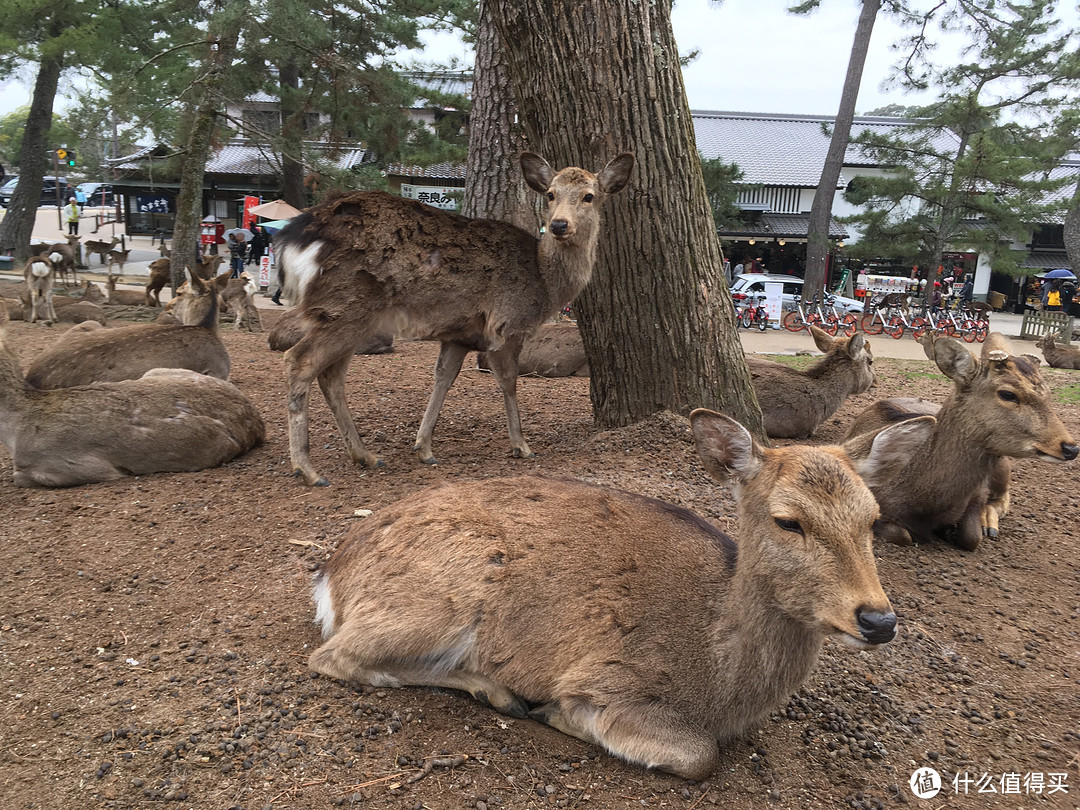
point(671, 640)
point(128, 352)
point(40, 275)
point(169, 420)
point(1058, 356)
point(945, 473)
point(794, 403)
point(360, 262)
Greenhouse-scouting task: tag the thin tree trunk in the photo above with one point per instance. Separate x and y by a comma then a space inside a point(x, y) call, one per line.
point(494, 187)
point(594, 78)
point(817, 243)
point(1072, 231)
point(18, 224)
point(189, 200)
point(292, 136)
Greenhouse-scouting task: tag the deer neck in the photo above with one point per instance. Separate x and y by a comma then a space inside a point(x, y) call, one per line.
point(565, 267)
point(835, 378)
point(762, 652)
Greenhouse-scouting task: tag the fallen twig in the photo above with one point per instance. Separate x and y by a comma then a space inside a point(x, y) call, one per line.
point(432, 763)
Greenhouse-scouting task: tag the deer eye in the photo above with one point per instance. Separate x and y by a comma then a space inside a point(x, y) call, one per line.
point(1008, 396)
point(551, 195)
point(789, 526)
point(588, 198)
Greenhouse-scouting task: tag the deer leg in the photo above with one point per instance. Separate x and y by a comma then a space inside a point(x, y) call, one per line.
point(654, 736)
point(451, 356)
point(332, 383)
point(504, 365)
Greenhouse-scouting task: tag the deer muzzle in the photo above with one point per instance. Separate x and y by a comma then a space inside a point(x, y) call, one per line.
point(876, 627)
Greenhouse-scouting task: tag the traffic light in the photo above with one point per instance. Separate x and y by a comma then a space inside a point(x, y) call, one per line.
point(65, 156)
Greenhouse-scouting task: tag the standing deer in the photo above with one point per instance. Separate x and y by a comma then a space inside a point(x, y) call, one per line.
point(65, 256)
point(670, 640)
point(119, 257)
point(40, 274)
point(100, 249)
point(946, 472)
point(169, 420)
point(160, 275)
point(362, 261)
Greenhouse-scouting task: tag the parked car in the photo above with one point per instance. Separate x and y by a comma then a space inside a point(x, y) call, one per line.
point(98, 195)
point(754, 284)
point(48, 190)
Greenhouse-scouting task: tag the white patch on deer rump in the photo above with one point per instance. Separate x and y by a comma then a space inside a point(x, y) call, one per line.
point(301, 268)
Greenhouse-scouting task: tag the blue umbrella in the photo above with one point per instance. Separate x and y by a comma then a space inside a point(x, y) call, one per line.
point(1060, 273)
point(274, 225)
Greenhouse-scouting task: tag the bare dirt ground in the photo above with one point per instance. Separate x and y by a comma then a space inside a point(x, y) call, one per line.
point(154, 631)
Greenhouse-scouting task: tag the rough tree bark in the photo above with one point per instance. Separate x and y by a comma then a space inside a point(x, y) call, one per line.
point(207, 106)
point(817, 243)
point(592, 79)
point(495, 188)
point(1072, 230)
point(18, 224)
point(292, 136)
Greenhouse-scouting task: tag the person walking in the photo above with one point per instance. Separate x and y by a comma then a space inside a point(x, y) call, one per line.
point(237, 245)
point(257, 246)
point(71, 210)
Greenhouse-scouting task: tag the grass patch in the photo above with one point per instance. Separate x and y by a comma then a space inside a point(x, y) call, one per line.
point(1068, 394)
point(798, 361)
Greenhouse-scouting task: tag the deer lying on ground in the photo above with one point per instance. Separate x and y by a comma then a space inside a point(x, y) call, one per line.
point(169, 420)
point(65, 256)
point(129, 298)
point(100, 249)
point(1058, 356)
point(360, 262)
point(290, 327)
point(160, 275)
point(673, 639)
point(238, 296)
point(946, 474)
point(128, 352)
point(555, 350)
point(40, 273)
point(793, 402)
point(92, 292)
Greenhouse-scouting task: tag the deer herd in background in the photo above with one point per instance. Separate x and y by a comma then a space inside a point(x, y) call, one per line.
point(515, 565)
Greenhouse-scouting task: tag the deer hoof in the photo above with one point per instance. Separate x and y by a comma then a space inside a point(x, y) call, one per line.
point(518, 453)
point(990, 531)
point(429, 460)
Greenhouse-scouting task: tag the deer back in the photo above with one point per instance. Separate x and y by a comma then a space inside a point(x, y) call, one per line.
point(795, 402)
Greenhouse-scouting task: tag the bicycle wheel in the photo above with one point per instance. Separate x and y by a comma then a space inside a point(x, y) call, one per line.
point(793, 321)
point(982, 329)
point(969, 330)
point(830, 324)
point(895, 328)
point(761, 317)
point(850, 324)
point(919, 327)
point(746, 317)
point(871, 323)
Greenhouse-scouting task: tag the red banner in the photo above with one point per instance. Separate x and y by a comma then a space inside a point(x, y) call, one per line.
point(249, 218)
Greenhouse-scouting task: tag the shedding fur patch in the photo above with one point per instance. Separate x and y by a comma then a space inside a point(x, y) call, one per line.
point(324, 605)
point(301, 267)
point(56, 257)
point(40, 269)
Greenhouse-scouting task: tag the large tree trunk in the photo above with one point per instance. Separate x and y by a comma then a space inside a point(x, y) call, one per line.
point(594, 78)
point(817, 243)
point(1072, 231)
point(189, 200)
point(18, 224)
point(495, 188)
point(292, 136)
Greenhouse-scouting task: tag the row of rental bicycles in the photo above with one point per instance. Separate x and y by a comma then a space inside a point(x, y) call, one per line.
point(890, 315)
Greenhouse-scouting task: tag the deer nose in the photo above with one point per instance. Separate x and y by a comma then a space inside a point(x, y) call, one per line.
point(1069, 451)
point(559, 227)
point(876, 627)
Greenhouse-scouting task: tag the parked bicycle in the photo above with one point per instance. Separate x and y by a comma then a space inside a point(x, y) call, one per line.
point(886, 315)
point(754, 313)
point(798, 319)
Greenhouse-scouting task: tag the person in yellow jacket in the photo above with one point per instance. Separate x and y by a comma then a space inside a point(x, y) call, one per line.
point(72, 212)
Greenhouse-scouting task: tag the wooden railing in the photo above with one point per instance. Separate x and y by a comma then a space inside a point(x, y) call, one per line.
point(1037, 323)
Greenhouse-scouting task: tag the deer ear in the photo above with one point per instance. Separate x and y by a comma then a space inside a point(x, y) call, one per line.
point(614, 177)
point(821, 339)
point(955, 362)
point(855, 345)
point(877, 456)
point(538, 174)
point(726, 447)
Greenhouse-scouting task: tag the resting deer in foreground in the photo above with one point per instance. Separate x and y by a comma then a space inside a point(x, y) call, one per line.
point(169, 420)
point(554, 350)
point(1058, 356)
point(360, 262)
point(946, 472)
point(128, 352)
point(40, 274)
point(670, 640)
point(794, 403)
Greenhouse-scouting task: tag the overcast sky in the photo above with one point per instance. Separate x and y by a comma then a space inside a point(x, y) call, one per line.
point(755, 57)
